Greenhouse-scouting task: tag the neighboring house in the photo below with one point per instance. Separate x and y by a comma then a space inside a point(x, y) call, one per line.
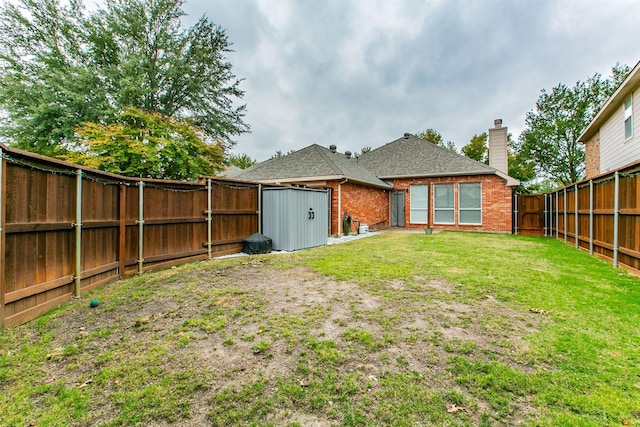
point(408, 183)
point(612, 139)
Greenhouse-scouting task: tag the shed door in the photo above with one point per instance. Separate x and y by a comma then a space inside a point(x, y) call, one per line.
point(397, 209)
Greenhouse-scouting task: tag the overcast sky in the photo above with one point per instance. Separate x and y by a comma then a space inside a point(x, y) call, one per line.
point(361, 73)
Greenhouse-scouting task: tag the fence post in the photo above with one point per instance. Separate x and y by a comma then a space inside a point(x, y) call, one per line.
point(2, 241)
point(564, 214)
point(616, 201)
point(515, 212)
point(209, 222)
point(78, 226)
point(557, 216)
point(260, 208)
point(576, 215)
point(140, 222)
point(591, 217)
point(545, 215)
point(122, 233)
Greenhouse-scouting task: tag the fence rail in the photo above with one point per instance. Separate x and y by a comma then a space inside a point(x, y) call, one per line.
point(67, 229)
point(601, 216)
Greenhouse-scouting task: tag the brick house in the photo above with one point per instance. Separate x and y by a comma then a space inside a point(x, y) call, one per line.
point(406, 183)
point(612, 139)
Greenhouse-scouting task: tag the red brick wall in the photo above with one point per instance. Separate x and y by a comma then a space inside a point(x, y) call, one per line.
point(365, 205)
point(592, 153)
point(497, 202)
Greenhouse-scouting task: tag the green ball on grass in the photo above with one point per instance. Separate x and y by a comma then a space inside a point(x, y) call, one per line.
point(94, 303)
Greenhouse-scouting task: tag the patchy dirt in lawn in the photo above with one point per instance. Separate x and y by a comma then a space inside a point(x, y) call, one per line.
point(253, 322)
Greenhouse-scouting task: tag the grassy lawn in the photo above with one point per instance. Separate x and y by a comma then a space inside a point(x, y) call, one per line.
point(394, 329)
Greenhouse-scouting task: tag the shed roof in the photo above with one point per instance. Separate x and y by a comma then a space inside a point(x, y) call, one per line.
point(311, 164)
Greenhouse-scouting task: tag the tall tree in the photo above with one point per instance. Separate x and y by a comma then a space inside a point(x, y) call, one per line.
point(434, 137)
point(60, 67)
point(550, 138)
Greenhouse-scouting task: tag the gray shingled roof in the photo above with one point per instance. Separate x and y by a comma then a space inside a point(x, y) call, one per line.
point(411, 156)
point(307, 164)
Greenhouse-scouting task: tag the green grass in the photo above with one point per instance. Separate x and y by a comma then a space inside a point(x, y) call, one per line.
point(396, 329)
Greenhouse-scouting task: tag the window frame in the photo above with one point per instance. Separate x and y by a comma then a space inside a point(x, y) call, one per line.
point(437, 209)
point(628, 116)
point(464, 209)
point(420, 209)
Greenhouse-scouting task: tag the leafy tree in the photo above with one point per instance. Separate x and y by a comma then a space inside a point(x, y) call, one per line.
point(550, 138)
point(434, 137)
point(520, 167)
point(60, 67)
point(243, 161)
point(477, 148)
point(147, 145)
point(279, 154)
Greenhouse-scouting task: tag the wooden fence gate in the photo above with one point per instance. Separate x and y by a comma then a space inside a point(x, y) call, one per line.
point(529, 214)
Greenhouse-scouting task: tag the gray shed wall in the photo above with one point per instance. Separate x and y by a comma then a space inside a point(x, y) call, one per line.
point(295, 218)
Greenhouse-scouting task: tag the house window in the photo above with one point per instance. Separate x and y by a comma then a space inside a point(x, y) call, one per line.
point(443, 200)
point(470, 203)
point(628, 118)
point(419, 199)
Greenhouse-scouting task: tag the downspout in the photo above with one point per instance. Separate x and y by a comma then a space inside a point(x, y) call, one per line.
point(339, 214)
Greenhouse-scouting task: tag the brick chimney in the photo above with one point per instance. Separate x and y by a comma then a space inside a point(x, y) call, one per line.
point(498, 147)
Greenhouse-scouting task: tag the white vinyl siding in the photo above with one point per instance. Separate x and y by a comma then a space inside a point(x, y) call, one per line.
point(615, 149)
point(443, 204)
point(628, 117)
point(470, 203)
point(419, 201)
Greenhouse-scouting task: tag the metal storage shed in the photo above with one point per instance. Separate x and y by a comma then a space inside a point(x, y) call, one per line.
point(295, 218)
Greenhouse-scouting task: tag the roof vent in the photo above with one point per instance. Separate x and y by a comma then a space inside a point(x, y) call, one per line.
point(333, 148)
point(407, 135)
point(347, 154)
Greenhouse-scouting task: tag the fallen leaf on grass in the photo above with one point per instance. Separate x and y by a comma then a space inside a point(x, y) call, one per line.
point(453, 409)
point(86, 383)
point(539, 311)
point(57, 352)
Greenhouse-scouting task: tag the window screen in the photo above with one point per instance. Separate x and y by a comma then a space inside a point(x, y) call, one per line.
point(470, 203)
point(419, 199)
point(443, 200)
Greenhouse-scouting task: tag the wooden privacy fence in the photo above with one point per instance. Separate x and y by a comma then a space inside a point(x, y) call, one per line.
point(601, 216)
point(67, 229)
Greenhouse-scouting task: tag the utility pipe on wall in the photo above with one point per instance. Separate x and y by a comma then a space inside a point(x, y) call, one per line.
point(339, 215)
point(78, 226)
point(140, 225)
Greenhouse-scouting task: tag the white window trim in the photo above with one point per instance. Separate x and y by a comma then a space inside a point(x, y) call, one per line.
point(453, 208)
point(460, 209)
point(627, 114)
point(418, 209)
